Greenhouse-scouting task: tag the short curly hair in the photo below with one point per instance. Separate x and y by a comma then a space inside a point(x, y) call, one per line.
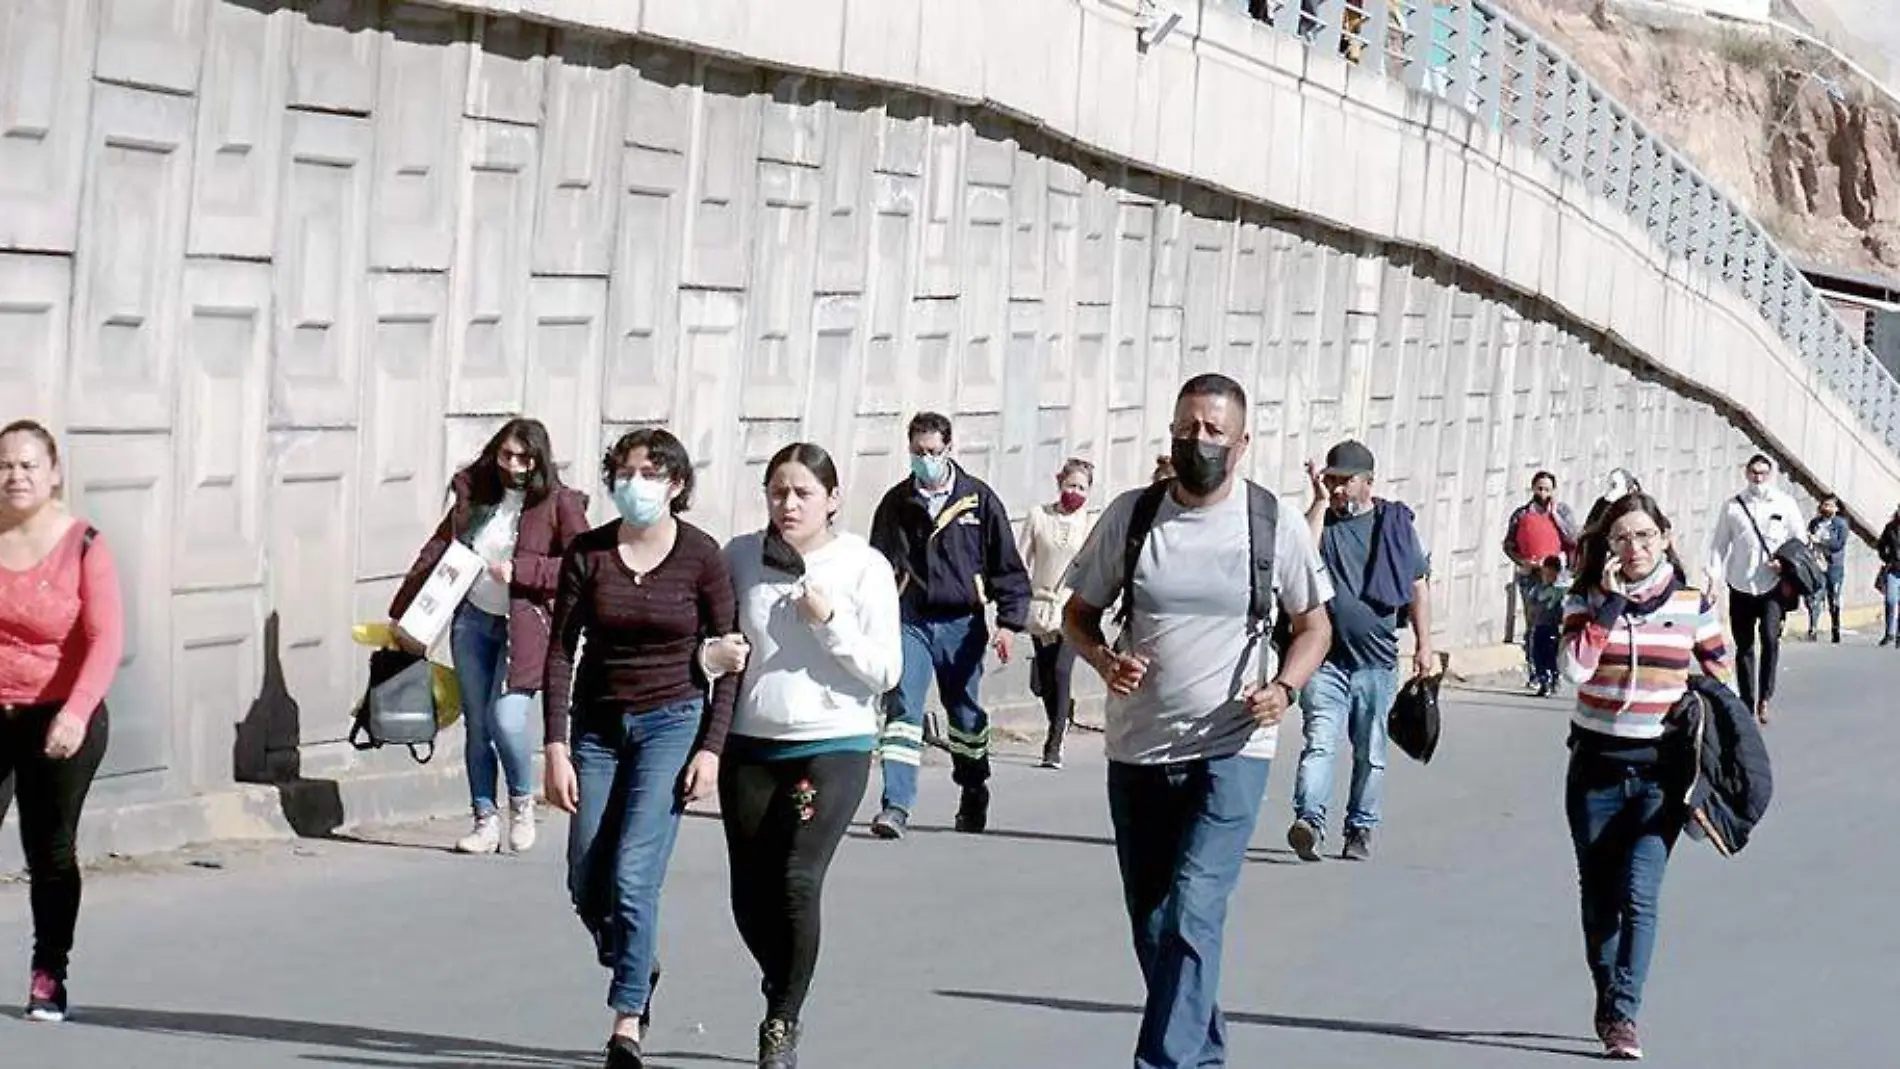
point(666, 451)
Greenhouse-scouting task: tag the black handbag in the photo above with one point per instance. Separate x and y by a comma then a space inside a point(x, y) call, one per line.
point(398, 707)
point(1413, 722)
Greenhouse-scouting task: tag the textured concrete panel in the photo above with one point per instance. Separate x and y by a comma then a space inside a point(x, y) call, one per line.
point(46, 53)
point(313, 481)
point(720, 197)
point(240, 129)
point(35, 305)
point(420, 88)
point(566, 339)
point(580, 158)
point(778, 350)
point(643, 336)
point(402, 466)
point(320, 261)
point(333, 56)
point(125, 303)
point(223, 406)
point(123, 485)
point(152, 44)
point(487, 354)
point(217, 680)
point(508, 71)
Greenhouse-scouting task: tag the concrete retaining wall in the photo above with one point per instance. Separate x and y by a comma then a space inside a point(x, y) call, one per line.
point(274, 271)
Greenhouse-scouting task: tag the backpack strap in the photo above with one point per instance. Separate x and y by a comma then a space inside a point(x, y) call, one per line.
point(1140, 522)
point(1263, 529)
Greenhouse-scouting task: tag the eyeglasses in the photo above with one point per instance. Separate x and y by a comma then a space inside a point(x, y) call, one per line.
point(1644, 539)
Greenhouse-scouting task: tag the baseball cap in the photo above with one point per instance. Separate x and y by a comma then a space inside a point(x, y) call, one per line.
point(1349, 458)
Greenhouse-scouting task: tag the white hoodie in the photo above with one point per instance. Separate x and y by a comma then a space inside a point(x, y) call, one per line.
point(807, 681)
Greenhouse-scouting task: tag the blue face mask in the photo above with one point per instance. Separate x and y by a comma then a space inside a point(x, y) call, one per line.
point(929, 470)
point(640, 502)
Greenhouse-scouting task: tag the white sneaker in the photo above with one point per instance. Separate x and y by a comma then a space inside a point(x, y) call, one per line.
point(484, 839)
point(521, 824)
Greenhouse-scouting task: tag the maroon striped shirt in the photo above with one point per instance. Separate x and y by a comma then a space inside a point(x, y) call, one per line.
point(643, 635)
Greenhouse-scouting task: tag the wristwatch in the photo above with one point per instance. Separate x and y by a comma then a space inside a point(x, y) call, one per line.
point(1292, 694)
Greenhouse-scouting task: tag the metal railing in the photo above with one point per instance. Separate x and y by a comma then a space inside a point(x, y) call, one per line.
point(1483, 60)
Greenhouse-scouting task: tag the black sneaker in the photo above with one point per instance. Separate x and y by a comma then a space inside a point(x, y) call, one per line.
point(973, 816)
point(778, 1044)
point(1052, 754)
point(1885, 641)
point(1305, 838)
point(46, 997)
point(624, 1053)
point(890, 823)
point(1358, 845)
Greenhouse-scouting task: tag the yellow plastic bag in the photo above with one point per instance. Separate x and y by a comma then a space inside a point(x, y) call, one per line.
point(448, 693)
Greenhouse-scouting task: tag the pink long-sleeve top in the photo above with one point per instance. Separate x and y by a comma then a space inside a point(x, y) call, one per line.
point(62, 627)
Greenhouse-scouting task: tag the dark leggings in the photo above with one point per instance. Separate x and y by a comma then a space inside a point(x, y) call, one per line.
point(784, 820)
point(1051, 674)
point(51, 794)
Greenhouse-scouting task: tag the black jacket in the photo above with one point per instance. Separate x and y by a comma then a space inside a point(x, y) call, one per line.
point(1731, 780)
point(1890, 544)
point(947, 566)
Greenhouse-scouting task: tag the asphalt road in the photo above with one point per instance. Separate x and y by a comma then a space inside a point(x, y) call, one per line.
point(1457, 946)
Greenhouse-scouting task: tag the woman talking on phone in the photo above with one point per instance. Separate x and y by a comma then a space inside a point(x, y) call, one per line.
point(1631, 628)
point(631, 738)
point(819, 614)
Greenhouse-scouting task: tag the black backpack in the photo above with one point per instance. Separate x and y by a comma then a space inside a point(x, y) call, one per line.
point(1263, 524)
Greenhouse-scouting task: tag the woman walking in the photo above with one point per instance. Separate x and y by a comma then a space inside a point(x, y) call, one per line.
point(1052, 537)
point(1631, 627)
point(62, 632)
point(819, 614)
point(1889, 550)
point(643, 742)
point(1827, 536)
point(510, 508)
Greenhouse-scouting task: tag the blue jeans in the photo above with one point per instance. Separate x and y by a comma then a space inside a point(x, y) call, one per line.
point(495, 717)
point(1890, 589)
point(952, 651)
point(1181, 834)
point(620, 840)
point(1353, 702)
point(1829, 598)
point(1623, 826)
point(1545, 640)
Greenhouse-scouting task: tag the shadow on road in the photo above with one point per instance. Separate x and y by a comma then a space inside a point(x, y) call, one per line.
point(445, 1051)
point(1524, 1041)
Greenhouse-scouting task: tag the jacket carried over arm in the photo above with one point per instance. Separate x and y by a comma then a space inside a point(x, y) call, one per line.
point(947, 566)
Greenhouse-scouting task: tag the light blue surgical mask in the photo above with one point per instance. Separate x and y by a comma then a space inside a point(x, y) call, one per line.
point(929, 470)
point(640, 502)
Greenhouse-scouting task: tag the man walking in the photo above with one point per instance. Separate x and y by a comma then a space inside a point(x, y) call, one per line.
point(1203, 569)
point(1753, 524)
point(1380, 571)
point(949, 538)
point(1539, 529)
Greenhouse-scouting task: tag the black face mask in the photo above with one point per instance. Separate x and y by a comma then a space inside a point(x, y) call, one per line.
point(1199, 466)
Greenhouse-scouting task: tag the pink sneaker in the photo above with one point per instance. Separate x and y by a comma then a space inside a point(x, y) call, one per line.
point(46, 998)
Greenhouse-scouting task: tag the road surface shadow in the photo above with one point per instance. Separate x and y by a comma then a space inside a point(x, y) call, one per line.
point(1524, 1041)
point(431, 1051)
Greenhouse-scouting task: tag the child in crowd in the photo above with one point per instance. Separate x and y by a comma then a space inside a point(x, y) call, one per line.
point(1546, 601)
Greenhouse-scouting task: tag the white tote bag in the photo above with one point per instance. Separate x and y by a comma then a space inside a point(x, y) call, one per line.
point(427, 618)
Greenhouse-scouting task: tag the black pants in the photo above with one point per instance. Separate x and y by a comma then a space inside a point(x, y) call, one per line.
point(1755, 617)
point(784, 820)
point(1050, 678)
point(51, 794)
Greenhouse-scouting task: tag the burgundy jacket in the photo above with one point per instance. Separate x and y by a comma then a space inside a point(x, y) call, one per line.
point(547, 528)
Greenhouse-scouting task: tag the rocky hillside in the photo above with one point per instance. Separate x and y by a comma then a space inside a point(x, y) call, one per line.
point(1812, 151)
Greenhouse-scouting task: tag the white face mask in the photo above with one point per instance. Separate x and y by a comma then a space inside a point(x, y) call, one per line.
point(1760, 491)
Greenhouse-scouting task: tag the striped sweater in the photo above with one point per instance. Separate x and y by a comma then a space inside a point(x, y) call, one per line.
point(1630, 659)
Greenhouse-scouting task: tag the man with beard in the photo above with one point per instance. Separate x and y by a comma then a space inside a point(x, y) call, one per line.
point(1380, 570)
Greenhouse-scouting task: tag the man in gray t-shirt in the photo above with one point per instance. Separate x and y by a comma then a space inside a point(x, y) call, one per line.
point(1196, 694)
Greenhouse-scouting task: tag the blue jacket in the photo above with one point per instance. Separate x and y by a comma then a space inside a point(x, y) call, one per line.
point(1832, 542)
point(946, 567)
point(1394, 564)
